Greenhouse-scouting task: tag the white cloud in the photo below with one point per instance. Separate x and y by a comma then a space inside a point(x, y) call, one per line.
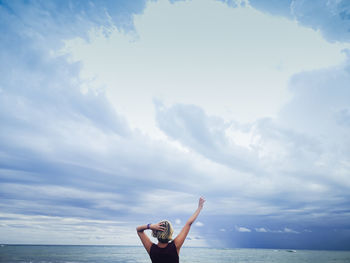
point(229, 81)
point(177, 221)
point(198, 223)
point(289, 230)
point(220, 68)
point(284, 230)
point(242, 229)
point(261, 230)
point(67, 230)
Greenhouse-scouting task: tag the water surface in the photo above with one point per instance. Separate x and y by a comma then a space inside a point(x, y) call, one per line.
point(126, 254)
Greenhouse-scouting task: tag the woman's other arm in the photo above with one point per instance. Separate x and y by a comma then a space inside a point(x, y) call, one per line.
point(147, 243)
point(180, 239)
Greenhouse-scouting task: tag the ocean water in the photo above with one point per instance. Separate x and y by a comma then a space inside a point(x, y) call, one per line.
point(125, 254)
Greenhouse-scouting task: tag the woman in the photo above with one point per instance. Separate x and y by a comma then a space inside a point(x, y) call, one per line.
point(165, 251)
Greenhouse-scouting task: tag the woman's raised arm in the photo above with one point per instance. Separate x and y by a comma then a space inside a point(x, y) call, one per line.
point(179, 240)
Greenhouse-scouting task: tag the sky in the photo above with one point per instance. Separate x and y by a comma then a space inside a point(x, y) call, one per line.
point(116, 114)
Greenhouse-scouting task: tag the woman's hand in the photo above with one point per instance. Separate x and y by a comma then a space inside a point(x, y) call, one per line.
point(201, 202)
point(157, 226)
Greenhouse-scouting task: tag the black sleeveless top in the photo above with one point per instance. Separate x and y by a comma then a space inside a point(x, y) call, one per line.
point(167, 254)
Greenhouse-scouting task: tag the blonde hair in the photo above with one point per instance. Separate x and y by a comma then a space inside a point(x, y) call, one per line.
point(166, 235)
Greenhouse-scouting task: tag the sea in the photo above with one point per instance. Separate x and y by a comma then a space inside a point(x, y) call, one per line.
point(129, 254)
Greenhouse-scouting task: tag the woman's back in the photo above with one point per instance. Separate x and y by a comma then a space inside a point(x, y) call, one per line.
point(167, 254)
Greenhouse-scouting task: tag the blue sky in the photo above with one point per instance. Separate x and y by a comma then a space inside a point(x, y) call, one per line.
point(120, 113)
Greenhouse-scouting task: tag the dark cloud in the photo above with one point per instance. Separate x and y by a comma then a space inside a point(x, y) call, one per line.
point(275, 7)
point(332, 18)
point(47, 123)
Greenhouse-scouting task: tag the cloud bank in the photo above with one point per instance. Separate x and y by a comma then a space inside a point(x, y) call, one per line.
point(69, 158)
